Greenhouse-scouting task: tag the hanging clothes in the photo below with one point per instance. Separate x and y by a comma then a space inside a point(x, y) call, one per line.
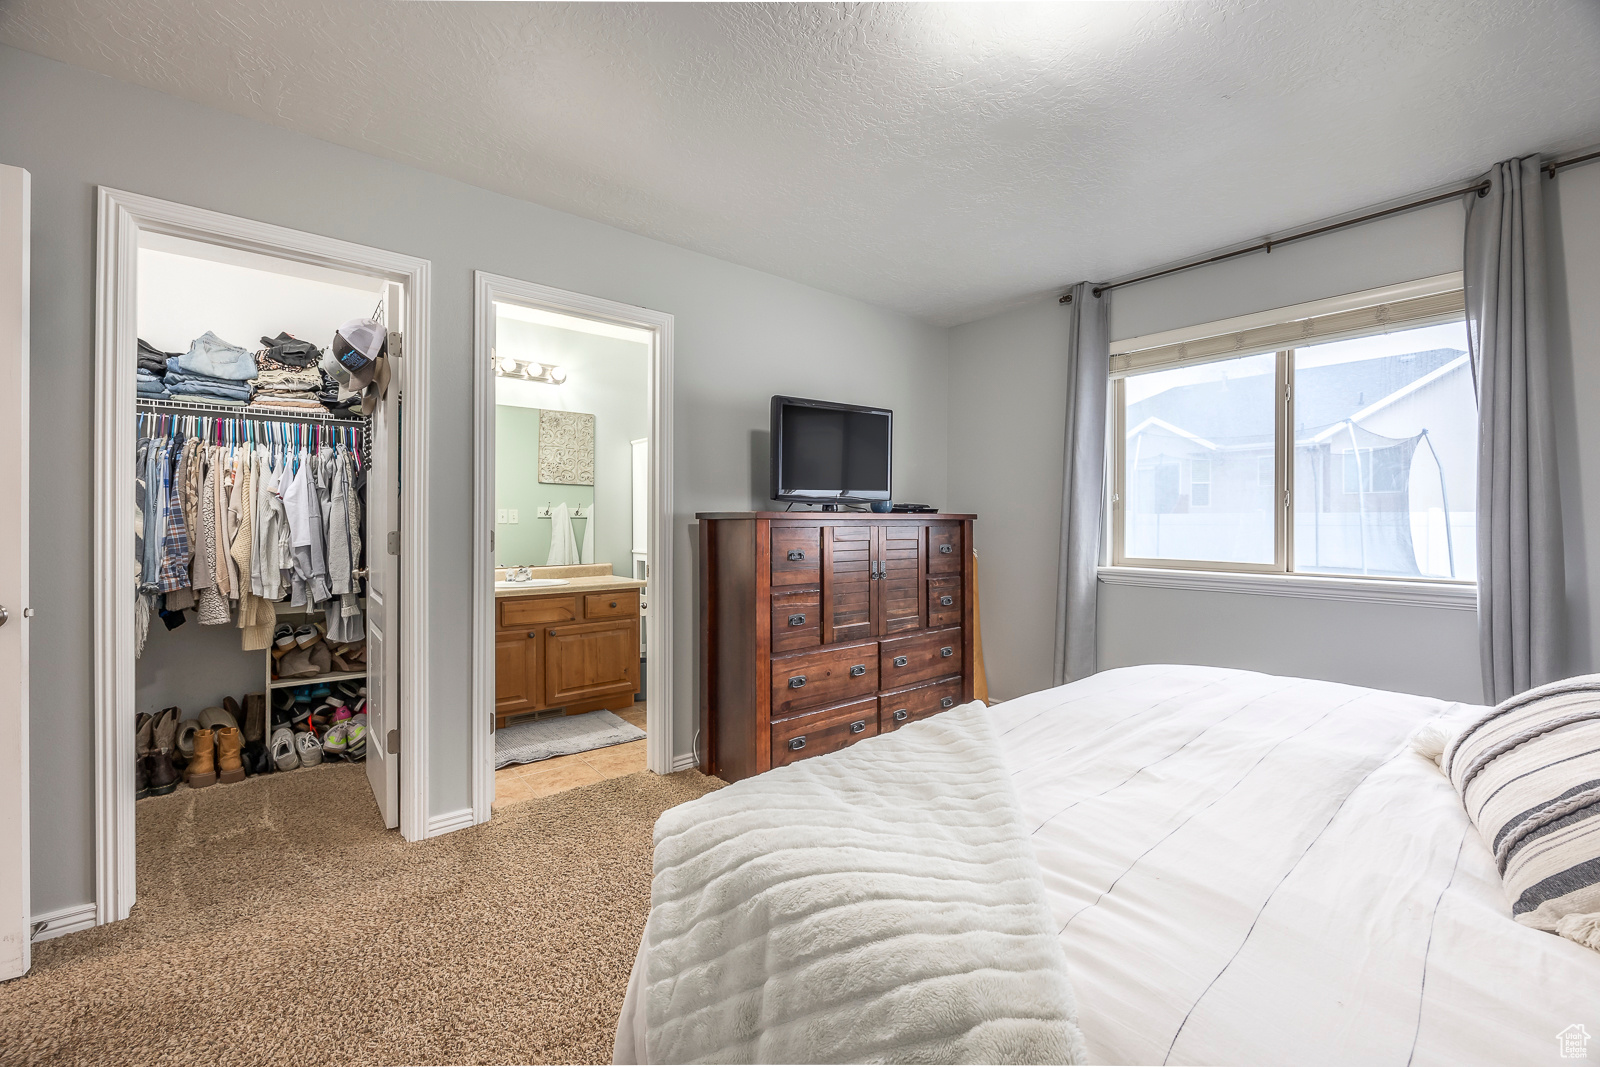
point(588, 537)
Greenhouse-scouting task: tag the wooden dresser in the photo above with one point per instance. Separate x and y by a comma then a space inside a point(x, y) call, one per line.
point(821, 628)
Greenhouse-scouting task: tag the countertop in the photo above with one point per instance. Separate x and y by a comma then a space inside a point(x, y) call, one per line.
point(589, 583)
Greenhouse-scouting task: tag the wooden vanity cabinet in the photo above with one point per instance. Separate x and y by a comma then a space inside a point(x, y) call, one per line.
point(821, 629)
point(561, 650)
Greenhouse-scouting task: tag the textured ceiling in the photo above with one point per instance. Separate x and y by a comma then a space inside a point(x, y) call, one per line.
point(943, 160)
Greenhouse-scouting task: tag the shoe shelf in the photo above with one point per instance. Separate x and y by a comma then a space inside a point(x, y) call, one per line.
point(315, 679)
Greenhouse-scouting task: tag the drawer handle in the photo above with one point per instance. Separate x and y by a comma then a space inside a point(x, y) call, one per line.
point(947, 702)
point(900, 661)
point(947, 651)
point(858, 726)
point(533, 633)
point(797, 555)
point(858, 670)
point(945, 550)
point(797, 620)
point(946, 601)
point(613, 603)
point(900, 715)
point(797, 681)
point(796, 744)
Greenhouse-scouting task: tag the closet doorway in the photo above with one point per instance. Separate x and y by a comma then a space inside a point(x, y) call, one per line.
point(260, 611)
point(572, 568)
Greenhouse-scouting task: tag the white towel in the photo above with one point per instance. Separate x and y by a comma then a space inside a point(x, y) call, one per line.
point(588, 537)
point(563, 546)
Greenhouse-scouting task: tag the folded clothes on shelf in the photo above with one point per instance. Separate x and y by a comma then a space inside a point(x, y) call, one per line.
point(152, 359)
point(211, 356)
point(290, 351)
point(149, 385)
point(195, 383)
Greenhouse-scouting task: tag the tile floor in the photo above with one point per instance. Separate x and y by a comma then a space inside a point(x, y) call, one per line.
point(529, 780)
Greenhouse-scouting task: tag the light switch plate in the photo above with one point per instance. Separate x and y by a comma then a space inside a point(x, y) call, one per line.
point(500, 516)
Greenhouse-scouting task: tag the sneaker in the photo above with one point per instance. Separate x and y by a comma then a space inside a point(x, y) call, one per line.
point(355, 737)
point(284, 756)
point(334, 741)
point(308, 748)
point(283, 637)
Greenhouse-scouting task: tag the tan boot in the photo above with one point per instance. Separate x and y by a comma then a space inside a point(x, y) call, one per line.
point(202, 770)
point(229, 768)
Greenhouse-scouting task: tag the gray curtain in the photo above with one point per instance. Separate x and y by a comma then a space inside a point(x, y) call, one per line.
point(1083, 488)
point(1521, 585)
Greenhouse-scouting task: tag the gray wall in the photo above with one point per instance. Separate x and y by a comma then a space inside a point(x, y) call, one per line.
point(741, 336)
point(1007, 380)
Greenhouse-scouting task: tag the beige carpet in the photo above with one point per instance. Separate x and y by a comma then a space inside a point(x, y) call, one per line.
point(277, 924)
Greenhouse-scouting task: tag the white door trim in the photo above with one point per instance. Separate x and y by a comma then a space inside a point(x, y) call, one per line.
point(487, 289)
point(122, 217)
point(15, 870)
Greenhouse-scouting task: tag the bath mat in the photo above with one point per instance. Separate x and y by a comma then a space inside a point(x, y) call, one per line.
point(561, 735)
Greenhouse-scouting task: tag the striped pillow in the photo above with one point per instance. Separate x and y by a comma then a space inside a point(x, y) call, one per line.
point(1529, 775)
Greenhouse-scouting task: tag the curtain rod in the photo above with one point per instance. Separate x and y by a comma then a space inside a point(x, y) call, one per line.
point(1480, 188)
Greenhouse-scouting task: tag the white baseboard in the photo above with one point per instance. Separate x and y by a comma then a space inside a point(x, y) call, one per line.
point(449, 821)
point(684, 762)
point(65, 921)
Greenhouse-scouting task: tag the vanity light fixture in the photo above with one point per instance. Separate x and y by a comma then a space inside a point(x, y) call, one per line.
point(546, 374)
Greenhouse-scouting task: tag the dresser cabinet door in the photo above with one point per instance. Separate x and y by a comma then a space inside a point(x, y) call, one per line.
point(588, 660)
point(900, 585)
point(516, 671)
point(848, 564)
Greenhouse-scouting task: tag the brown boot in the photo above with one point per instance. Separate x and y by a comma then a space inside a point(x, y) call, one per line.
point(255, 718)
point(229, 768)
point(202, 769)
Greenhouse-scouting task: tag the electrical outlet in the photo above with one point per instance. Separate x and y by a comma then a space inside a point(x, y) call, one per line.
point(513, 516)
point(500, 516)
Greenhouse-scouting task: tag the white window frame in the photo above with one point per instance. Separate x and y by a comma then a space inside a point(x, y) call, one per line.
point(1281, 332)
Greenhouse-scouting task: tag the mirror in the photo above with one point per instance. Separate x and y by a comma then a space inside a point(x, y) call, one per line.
point(543, 459)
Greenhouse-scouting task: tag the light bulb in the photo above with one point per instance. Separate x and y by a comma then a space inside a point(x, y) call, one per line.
point(554, 373)
point(507, 365)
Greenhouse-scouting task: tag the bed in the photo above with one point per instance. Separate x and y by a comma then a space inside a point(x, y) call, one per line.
point(1250, 869)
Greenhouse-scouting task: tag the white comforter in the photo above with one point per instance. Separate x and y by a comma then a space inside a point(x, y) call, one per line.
point(1257, 870)
point(1248, 869)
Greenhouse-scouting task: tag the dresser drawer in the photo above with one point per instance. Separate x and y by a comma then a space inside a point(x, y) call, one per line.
point(908, 705)
point(944, 549)
point(618, 605)
point(827, 730)
point(796, 555)
point(815, 679)
point(905, 660)
point(796, 620)
point(944, 601)
point(531, 611)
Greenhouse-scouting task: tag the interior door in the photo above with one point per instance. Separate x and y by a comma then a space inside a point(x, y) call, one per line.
point(14, 613)
point(383, 581)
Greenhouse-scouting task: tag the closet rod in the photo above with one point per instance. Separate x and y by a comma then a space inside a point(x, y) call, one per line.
point(1549, 167)
point(185, 407)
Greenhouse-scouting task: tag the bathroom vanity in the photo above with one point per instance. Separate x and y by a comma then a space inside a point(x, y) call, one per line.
point(573, 645)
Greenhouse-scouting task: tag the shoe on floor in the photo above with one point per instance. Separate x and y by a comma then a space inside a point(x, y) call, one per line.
point(334, 741)
point(355, 737)
point(308, 748)
point(284, 756)
point(255, 718)
point(164, 731)
point(214, 719)
point(202, 769)
point(183, 738)
point(160, 773)
point(144, 727)
point(229, 766)
point(141, 778)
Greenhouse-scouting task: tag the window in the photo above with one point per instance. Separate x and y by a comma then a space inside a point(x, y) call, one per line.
point(1351, 451)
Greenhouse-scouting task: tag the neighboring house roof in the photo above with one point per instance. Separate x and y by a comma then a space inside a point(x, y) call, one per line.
point(1177, 430)
point(1239, 410)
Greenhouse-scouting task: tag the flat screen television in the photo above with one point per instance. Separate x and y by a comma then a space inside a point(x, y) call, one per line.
point(826, 453)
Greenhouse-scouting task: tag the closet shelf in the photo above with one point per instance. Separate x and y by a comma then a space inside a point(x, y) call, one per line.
point(190, 407)
point(316, 679)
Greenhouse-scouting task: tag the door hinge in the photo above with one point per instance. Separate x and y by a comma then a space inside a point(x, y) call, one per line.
point(394, 542)
point(392, 743)
point(491, 540)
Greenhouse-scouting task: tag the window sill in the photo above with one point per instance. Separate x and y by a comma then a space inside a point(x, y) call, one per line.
point(1456, 595)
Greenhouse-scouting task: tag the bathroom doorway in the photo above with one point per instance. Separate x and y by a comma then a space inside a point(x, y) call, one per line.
point(572, 661)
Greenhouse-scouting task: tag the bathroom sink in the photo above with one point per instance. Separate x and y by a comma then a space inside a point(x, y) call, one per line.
point(531, 583)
